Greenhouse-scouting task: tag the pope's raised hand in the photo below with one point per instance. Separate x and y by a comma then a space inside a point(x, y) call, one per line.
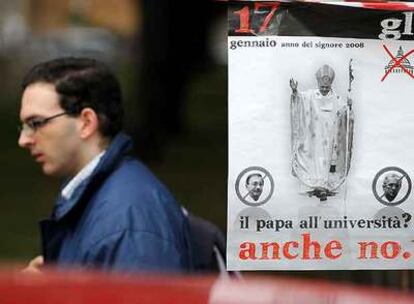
point(293, 85)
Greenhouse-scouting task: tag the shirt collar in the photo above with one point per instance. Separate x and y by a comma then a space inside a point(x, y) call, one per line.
point(114, 153)
point(83, 174)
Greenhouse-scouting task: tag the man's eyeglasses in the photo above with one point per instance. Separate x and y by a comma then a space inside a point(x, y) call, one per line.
point(32, 125)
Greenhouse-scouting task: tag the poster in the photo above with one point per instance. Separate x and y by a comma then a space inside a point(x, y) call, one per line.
point(321, 124)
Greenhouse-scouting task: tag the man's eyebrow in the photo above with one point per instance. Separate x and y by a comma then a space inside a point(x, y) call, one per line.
point(31, 117)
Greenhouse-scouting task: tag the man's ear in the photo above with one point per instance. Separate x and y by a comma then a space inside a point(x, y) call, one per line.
point(89, 122)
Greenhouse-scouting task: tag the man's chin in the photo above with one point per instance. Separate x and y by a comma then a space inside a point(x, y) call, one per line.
point(391, 197)
point(49, 170)
point(255, 197)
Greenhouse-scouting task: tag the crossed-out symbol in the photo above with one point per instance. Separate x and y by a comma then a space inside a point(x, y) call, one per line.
point(404, 176)
point(265, 176)
point(397, 63)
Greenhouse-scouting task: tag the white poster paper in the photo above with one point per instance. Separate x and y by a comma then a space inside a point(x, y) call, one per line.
point(321, 144)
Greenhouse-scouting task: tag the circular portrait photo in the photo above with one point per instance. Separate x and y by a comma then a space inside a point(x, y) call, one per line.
point(391, 186)
point(254, 186)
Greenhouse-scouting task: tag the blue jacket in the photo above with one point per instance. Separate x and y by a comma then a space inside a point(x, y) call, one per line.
point(120, 218)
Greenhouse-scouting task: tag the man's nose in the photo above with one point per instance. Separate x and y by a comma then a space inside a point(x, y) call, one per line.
point(25, 141)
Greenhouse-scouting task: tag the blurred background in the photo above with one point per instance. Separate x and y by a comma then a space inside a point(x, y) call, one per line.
point(171, 60)
point(171, 57)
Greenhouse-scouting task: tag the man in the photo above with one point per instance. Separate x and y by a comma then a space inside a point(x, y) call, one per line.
point(254, 184)
point(322, 125)
point(112, 213)
point(391, 186)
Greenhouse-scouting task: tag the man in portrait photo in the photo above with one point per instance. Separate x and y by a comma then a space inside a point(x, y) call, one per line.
point(254, 184)
point(391, 186)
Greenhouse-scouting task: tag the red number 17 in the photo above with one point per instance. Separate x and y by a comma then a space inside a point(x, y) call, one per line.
point(244, 14)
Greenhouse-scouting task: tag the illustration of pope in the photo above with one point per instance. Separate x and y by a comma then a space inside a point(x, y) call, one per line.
point(321, 135)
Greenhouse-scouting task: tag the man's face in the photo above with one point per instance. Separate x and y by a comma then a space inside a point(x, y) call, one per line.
point(391, 189)
point(56, 144)
point(324, 89)
point(255, 186)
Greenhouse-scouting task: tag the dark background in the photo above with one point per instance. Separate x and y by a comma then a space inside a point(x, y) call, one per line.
point(172, 66)
point(171, 58)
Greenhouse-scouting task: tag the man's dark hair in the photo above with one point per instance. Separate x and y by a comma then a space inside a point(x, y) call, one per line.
point(251, 175)
point(82, 83)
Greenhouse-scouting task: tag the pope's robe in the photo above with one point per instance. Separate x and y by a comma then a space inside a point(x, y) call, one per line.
point(322, 133)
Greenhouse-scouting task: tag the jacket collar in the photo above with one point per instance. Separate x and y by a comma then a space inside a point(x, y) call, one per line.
point(117, 149)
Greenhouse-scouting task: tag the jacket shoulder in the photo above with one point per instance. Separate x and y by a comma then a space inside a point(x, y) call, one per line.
point(132, 198)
